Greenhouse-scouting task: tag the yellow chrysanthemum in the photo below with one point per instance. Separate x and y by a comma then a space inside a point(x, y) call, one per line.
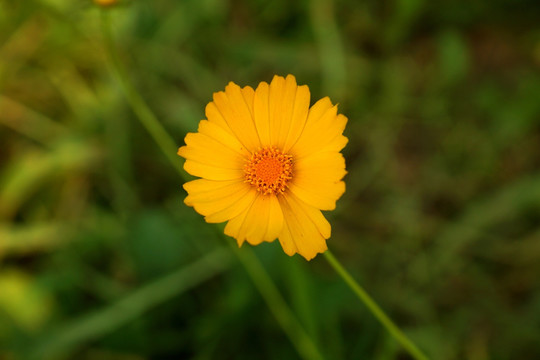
point(268, 163)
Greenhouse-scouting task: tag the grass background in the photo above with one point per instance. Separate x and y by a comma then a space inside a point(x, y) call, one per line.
point(100, 259)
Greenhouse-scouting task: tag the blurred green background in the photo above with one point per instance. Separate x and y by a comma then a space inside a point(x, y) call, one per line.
point(100, 258)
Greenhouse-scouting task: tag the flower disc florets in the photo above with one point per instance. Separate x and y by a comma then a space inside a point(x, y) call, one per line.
point(269, 170)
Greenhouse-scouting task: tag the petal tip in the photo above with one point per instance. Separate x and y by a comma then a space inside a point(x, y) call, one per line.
point(181, 151)
point(312, 254)
point(231, 86)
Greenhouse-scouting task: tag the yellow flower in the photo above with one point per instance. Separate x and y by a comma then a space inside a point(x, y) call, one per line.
point(268, 163)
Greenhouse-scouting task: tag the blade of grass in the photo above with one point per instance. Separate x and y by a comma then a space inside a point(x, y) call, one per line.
point(102, 321)
point(31, 171)
point(26, 239)
point(28, 122)
point(330, 46)
point(141, 110)
point(478, 216)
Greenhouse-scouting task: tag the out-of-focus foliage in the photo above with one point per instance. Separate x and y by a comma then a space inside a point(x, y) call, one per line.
point(100, 259)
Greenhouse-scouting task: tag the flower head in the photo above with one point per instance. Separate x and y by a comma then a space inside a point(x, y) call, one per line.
point(268, 164)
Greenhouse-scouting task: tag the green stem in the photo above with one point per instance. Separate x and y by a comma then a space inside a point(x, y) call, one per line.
point(284, 315)
point(291, 326)
point(143, 112)
point(375, 309)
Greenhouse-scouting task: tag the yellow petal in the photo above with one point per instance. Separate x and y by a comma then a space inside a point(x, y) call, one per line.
point(261, 113)
point(318, 110)
point(233, 108)
point(322, 132)
point(305, 230)
point(202, 186)
point(281, 105)
point(234, 225)
point(256, 222)
point(235, 205)
point(214, 116)
point(223, 136)
point(204, 149)
point(262, 221)
point(315, 216)
point(217, 205)
point(324, 199)
point(317, 179)
point(326, 166)
point(249, 94)
point(298, 118)
point(211, 172)
point(286, 240)
point(275, 105)
point(275, 220)
point(202, 190)
point(219, 201)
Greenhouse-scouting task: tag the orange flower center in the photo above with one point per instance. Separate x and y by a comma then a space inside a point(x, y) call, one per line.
point(269, 170)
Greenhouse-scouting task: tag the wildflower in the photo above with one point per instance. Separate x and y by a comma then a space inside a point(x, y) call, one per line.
point(268, 164)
